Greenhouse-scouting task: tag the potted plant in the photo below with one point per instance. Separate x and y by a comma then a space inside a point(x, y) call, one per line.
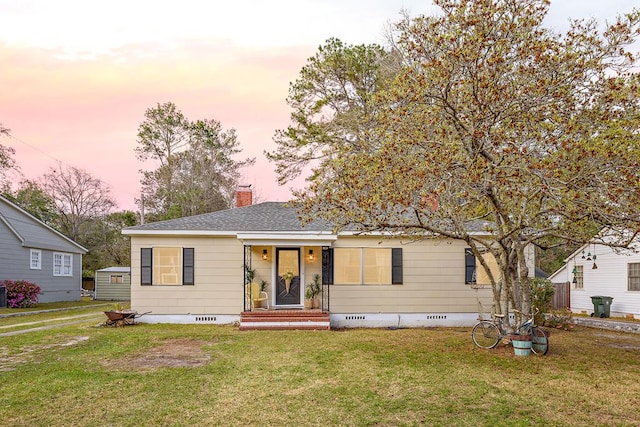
point(308, 298)
point(315, 287)
point(287, 277)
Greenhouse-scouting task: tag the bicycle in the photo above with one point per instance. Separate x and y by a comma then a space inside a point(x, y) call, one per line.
point(488, 333)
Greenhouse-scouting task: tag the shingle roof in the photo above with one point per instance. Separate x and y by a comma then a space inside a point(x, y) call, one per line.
point(268, 216)
point(34, 233)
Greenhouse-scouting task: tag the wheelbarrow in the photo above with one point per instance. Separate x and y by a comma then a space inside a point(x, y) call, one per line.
point(122, 317)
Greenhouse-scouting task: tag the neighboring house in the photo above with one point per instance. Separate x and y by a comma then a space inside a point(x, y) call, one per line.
point(190, 270)
point(31, 250)
point(598, 270)
point(113, 284)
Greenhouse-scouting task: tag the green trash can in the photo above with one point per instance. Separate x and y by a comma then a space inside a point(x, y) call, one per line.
point(601, 306)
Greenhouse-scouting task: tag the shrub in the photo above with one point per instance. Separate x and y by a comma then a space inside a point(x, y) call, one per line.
point(21, 294)
point(542, 291)
point(560, 319)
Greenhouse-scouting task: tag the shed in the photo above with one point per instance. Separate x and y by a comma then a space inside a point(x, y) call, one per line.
point(113, 284)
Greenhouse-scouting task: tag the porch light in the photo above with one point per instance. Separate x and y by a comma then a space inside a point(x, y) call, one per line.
point(311, 256)
point(265, 254)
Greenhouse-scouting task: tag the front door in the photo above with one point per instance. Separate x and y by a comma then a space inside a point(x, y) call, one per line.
point(288, 276)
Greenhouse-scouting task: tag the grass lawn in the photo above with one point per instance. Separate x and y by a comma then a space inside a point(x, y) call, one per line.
point(166, 375)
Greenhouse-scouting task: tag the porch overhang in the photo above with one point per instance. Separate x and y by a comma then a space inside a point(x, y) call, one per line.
point(287, 239)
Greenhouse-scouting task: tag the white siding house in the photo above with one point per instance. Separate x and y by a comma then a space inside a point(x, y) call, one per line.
point(616, 274)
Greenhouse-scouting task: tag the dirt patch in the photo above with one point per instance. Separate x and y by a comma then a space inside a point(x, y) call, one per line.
point(627, 341)
point(175, 353)
point(8, 360)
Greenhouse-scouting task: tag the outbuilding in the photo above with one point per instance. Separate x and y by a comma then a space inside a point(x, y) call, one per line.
point(113, 284)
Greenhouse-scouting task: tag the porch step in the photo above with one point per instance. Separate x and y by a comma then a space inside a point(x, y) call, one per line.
point(284, 319)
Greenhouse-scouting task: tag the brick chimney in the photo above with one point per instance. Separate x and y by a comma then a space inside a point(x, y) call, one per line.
point(244, 196)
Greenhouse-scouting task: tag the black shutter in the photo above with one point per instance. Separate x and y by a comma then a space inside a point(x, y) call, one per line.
point(187, 266)
point(146, 266)
point(396, 266)
point(469, 266)
point(327, 266)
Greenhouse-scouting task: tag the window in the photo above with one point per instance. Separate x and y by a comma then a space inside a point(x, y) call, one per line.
point(115, 279)
point(167, 266)
point(469, 267)
point(367, 266)
point(634, 276)
point(62, 264)
point(578, 277)
point(36, 259)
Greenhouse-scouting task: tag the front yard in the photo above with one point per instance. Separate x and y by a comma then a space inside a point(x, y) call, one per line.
point(215, 375)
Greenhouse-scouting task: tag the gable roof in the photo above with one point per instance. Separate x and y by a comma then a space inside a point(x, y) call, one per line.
point(33, 233)
point(268, 217)
point(262, 217)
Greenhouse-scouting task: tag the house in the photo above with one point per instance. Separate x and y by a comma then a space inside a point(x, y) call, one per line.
point(599, 270)
point(191, 270)
point(31, 250)
point(113, 284)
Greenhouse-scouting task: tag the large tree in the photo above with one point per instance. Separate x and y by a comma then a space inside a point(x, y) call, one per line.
point(31, 197)
point(334, 106)
point(105, 241)
point(197, 172)
point(498, 122)
point(79, 198)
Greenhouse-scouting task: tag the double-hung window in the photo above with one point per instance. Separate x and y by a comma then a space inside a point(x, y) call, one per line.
point(35, 258)
point(578, 277)
point(62, 264)
point(367, 266)
point(167, 266)
point(634, 276)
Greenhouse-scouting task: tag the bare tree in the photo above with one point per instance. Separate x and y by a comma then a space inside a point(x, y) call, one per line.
point(78, 196)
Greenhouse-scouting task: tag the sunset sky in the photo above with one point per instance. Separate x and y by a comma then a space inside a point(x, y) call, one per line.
point(76, 76)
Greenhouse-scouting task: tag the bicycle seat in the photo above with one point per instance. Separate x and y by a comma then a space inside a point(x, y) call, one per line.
point(499, 315)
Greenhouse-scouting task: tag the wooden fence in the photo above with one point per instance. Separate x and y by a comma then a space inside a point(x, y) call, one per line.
point(562, 296)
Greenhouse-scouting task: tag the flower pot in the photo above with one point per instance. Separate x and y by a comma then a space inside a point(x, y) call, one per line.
point(308, 304)
point(287, 284)
point(316, 302)
point(521, 344)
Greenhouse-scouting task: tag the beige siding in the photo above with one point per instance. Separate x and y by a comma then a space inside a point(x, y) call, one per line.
point(433, 278)
point(218, 273)
point(433, 281)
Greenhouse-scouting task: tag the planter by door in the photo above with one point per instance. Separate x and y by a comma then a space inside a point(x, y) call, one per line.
point(521, 345)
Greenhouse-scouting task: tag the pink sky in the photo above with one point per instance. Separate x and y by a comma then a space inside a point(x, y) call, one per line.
point(76, 77)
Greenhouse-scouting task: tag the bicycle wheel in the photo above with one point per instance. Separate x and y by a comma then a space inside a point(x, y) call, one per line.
point(485, 334)
point(540, 341)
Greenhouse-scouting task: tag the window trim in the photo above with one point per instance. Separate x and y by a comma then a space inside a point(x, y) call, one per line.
point(187, 265)
point(579, 277)
point(395, 266)
point(63, 264)
point(629, 277)
point(38, 265)
point(121, 276)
